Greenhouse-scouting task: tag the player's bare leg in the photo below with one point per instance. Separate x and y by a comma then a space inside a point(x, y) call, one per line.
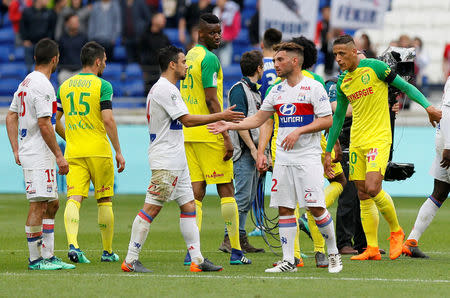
point(426, 214)
point(71, 222)
point(230, 215)
point(106, 225)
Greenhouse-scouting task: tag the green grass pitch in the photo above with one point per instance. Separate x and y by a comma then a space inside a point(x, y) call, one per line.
point(164, 252)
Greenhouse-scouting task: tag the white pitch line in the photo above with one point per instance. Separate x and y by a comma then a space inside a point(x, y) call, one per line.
point(240, 277)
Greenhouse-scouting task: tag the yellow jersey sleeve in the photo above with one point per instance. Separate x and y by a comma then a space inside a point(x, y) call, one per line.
point(79, 98)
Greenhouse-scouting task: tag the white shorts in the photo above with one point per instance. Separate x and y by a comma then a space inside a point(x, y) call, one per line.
point(40, 184)
point(438, 172)
point(169, 185)
point(297, 183)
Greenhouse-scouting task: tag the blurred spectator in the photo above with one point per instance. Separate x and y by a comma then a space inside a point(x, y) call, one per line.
point(194, 38)
point(59, 6)
point(135, 18)
point(153, 5)
point(173, 10)
point(421, 62)
point(190, 19)
point(364, 44)
point(70, 46)
point(404, 41)
point(228, 13)
point(105, 25)
point(446, 61)
point(253, 28)
point(151, 41)
point(37, 22)
point(76, 6)
point(15, 10)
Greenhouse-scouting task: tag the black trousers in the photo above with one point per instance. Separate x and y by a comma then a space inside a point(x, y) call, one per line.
point(348, 215)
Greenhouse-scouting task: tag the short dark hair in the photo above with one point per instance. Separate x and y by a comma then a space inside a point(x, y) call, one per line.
point(309, 51)
point(209, 18)
point(69, 16)
point(289, 47)
point(344, 39)
point(45, 50)
point(272, 37)
point(167, 55)
point(250, 62)
point(90, 52)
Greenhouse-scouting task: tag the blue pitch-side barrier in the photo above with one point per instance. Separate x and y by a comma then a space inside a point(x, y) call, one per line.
point(412, 144)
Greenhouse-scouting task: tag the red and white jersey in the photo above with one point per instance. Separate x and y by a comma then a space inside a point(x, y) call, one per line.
point(35, 98)
point(164, 107)
point(296, 107)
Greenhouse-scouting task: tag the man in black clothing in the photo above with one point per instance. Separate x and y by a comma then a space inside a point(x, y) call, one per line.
point(149, 45)
point(70, 46)
point(37, 22)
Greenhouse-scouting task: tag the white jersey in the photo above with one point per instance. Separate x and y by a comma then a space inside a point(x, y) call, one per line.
point(296, 107)
point(443, 131)
point(35, 98)
point(164, 107)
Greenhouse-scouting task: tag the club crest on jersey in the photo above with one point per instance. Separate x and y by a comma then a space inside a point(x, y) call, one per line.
point(365, 78)
point(173, 97)
point(288, 109)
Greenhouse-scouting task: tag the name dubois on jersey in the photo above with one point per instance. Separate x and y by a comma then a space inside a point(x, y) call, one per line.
point(295, 114)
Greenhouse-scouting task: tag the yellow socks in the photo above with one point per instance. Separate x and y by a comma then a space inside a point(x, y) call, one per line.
point(332, 192)
point(297, 252)
point(231, 216)
point(386, 206)
point(199, 213)
point(106, 224)
point(71, 221)
point(370, 220)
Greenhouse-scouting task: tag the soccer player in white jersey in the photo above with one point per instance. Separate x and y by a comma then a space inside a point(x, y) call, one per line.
point(166, 115)
point(441, 173)
point(304, 111)
point(29, 123)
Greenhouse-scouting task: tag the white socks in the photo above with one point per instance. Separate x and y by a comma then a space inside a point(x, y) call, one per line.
point(189, 230)
point(424, 218)
point(34, 238)
point(326, 228)
point(48, 238)
point(139, 232)
point(287, 229)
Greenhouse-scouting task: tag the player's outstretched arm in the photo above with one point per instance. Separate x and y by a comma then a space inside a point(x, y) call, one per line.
point(111, 130)
point(248, 123)
point(412, 92)
point(59, 126)
point(197, 120)
point(48, 134)
point(12, 122)
point(318, 124)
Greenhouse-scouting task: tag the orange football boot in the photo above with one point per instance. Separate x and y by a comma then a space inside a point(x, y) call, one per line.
point(371, 253)
point(395, 244)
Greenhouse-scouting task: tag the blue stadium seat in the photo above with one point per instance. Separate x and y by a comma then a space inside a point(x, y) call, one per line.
point(242, 37)
point(7, 36)
point(8, 86)
point(246, 16)
point(238, 50)
point(19, 54)
point(250, 3)
point(117, 88)
point(133, 71)
point(4, 53)
point(113, 71)
point(13, 71)
point(133, 88)
point(172, 34)
point(232, 73)
point(6, 22)
point(120, 54)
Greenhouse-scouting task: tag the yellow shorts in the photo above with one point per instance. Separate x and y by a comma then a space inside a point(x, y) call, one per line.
point(336, 166)
point(99, 170)
point(372, 158)
point(205, 161)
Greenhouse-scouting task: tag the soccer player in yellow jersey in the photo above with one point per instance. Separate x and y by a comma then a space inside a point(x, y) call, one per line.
point(364, 84)
point(85, 100)
point(208, 155)
point(337, 183)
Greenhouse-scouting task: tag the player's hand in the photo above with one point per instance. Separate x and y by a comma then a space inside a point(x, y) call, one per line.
point(63, 165)
point(217, 127)
point(120, 162)
point(261, 163)
point(396, 107)
point(337, 152)
point(445, 162)
point(289, 142)
point(230, 115)
point(434, 115)
point(16, 157)
point(228, 148)
point(327, 165)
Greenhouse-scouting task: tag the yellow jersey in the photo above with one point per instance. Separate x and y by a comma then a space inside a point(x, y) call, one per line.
point(79, 98)
point(204, 71)
point(366, 89)
point(306, 73)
